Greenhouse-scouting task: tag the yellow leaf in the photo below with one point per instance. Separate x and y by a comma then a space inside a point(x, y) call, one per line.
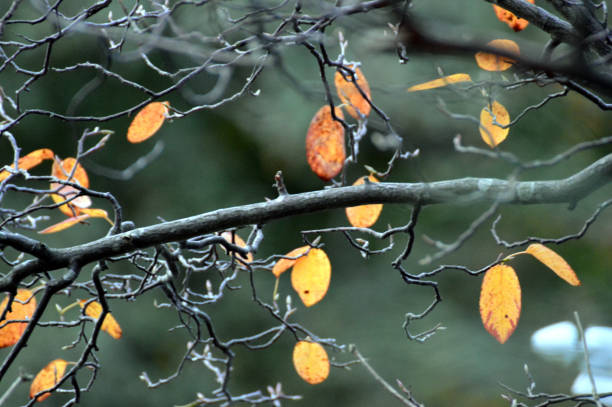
point(350, 95)
point(97, 213)
point(23, 307)
point(29, 161)
point(238, 241)
point(364, 216)
point(147, 121)
point(493, 62)
point(517, 24)
point(65, 224)
point(110, 324)
point(61, 170)
point(500, 301)
point(311, 362)
point(441, 82)
point(325, 144)
point(554, 262)
point(47, 378)
point(283, 264)
point(490, 132)
point(310, 276)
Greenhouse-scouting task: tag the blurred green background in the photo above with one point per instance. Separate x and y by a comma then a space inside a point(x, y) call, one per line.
point(228, 156)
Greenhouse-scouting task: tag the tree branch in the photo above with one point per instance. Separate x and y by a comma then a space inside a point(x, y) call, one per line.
point(464, 190)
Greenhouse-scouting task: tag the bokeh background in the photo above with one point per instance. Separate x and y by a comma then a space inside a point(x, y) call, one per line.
point(228, 156)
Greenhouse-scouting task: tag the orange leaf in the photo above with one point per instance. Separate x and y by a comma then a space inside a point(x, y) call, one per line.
point(350, 95)
point(61, 170)
point(311, 362)
point(238, 241)
point(364, 216)
point(147, 121)
point(47, 378)
point(65, 224)
point(28, 161)
point(110, 324)
point(97, 213)
point(23, 307)
point(492, 62)
point(325, 144)
point(554, 262)
point(490, 132)
point(283, 264)
point(503, 15)
point(310, 276)
point(500, 301)
point(440, 82)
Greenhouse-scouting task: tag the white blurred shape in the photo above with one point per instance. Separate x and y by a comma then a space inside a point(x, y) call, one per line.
point(557, 342)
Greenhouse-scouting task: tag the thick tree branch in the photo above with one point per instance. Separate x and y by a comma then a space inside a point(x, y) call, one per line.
point(464, 190)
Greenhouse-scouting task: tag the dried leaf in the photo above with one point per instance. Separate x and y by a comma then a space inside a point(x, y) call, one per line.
point(62, 170)
point(23, 307)
point(503, 15)
point(364, 216)
point(350, 95)
point(148, 120)
point(554, 262)
point(110, 324)
point(325, 144)
point(310, 276)
point(311, 362)
point(441, 82)
point(97, 213)
point(493, 62)
point(65, 224)
point(29, 161)
point(284, 264)
point(500, 301)
point(47, 378)
point(238, 241)
point(491, 133)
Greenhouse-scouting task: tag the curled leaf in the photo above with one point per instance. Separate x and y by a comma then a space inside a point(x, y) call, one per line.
point(284, 264)
point(147, 121)
point(310, 276)
point(110, 324)
point(441, 82)
point(493, 62)
point(505, 16)
point(311, 362)
point(29, 161)
point(65, 224)
point(554, 262)
point(47, 378)
point(355, 103)
point(97, 213)
point(325, 144)
point(22, 308)
point(490, 132)
point(238, 241)
point(364, 216)
point(500, 301)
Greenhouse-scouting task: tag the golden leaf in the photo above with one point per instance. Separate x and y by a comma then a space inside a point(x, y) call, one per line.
point(47, 378)
point(23, 307)
point(62, 170)
point(238, 241)
point(29, 161)
point(284, 264)
point(310, 276)
point(554, 262)
point(311, 362)
point(325, 144)
point(350, 95)
point(110, 324)
point(441, 82)
point(364, 216)
point(147, 121)
point(493, 62)
point(503, 15)
point(491, 133)
point(65, 224)
point(500, 301)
